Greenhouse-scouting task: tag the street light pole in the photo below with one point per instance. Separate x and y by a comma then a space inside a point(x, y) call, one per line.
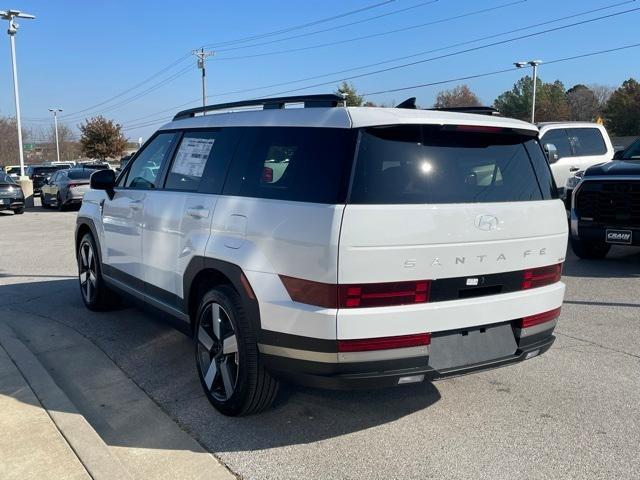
point(55, 122)
point(13, 29)
point(534, 64)
point(201, 55)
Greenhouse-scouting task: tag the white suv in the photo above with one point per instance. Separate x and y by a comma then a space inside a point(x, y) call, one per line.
point(330, 246)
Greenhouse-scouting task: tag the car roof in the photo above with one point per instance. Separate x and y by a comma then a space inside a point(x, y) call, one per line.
point(568, 124)
point(341, 117)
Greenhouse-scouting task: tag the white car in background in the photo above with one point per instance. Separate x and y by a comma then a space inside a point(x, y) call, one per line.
point(578, 145)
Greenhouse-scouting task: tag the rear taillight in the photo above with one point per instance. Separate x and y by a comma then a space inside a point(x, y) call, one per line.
point(383, 294)
point(539, 318)
point(384, 343)
point(267, 175)
point(539, 277)
point(72, 185)
point(356, 295)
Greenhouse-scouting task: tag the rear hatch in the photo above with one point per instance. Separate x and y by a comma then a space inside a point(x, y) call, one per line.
point(469, 208)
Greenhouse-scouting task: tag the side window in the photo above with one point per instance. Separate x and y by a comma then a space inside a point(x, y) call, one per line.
point(147, 167)
point(53, 178)
point(587, 141)
point(190, 160)
point(293, 163)
point(559, 138)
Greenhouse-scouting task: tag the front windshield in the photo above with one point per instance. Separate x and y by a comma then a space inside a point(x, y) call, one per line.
point(632, 152)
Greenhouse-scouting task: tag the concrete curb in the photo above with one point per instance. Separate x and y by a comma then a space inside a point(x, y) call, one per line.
point(82, 438)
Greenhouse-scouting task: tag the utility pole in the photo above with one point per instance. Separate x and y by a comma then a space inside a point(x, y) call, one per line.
point(13, 29)
point(534, 64)
point(202, 56)
point(55, 122)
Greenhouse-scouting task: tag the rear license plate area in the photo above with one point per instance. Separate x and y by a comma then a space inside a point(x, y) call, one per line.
point(623, 237)
point(470, 346)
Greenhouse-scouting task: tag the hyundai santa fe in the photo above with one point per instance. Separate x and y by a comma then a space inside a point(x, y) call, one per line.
point(332, 246)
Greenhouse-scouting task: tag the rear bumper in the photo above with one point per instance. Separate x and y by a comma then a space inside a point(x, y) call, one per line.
point(11, 203)
point(394, 372)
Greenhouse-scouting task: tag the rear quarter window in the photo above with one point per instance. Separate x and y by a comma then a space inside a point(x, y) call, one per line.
point(413, 164)
point(293, 163)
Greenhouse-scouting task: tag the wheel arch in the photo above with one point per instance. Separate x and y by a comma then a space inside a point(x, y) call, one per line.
point(83, 226)
point(205, 272)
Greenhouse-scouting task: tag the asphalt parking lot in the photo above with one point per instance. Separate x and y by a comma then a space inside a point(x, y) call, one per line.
point(571, 413)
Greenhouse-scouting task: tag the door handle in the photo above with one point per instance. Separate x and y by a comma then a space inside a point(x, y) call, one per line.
point(135, 205)
point(574, 169)
point(198, 212)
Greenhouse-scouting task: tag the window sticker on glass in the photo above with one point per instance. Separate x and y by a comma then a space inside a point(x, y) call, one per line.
point(192, 156)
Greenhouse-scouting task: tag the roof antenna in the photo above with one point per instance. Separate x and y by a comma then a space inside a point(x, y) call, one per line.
point(409, 103)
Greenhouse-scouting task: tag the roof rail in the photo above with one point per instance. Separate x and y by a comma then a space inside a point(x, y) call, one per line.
point(477, 110)
point(325, 100)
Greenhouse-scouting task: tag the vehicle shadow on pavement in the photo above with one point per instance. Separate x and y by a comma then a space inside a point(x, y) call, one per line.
point(160, 360)
point(621, 262)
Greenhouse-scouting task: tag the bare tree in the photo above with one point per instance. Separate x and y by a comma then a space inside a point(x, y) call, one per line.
point(69, 146)
point(460, 96)
point(603, 94)
point(9, 152)
point(583, 103)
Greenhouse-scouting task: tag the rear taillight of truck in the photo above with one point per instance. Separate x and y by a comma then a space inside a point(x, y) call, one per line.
point(537, 319)
point(384, 343)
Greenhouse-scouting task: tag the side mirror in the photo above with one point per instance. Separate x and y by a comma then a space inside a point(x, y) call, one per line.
point(618, 155)
point(552, 152)
point(104, 180)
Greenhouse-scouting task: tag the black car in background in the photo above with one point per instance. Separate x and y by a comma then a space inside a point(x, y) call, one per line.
point(606, 205)
point(11, 196)
point(40, 173)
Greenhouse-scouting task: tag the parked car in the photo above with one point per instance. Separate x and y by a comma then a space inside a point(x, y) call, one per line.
point(39, 174)
point(66, 188)
point(13, 171)
point(11, 196)
point(578, 145)
point(393, 246)
point(606, 205)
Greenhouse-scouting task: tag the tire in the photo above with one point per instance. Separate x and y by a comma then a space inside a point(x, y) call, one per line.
point(19, 211)
point(589, 250)
point(93, 290)
point(227, 358)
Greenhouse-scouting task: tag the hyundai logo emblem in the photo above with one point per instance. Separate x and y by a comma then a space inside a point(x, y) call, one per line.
point(487, 222)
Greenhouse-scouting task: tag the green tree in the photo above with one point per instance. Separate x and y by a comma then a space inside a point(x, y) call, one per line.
point(622, 112)
point(583, 103)
point(551, 101)
point(353, 99)
point(102, 138)
point(460, 96)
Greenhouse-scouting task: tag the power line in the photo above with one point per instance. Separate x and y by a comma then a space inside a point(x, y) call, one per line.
point(69, 115)
point(496, 72)
point(459, 52)
point(439, 82)
point(330, 29)
point(301, 26)
point(379, 34)
point(431, 51)
point(424, 52)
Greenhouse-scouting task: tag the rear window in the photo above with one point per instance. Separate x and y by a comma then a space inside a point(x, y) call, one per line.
point(414, 164)
point(80, 174)
point(44, 170)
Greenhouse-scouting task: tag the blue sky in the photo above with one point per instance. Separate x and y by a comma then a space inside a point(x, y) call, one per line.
point(78, 54)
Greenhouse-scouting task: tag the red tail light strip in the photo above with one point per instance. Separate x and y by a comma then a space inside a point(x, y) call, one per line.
point(539, 318)
point(384, 343)
point(388, 294)
point(539, 277)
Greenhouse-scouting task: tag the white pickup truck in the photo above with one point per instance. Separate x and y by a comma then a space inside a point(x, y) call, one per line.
point(578, 145)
